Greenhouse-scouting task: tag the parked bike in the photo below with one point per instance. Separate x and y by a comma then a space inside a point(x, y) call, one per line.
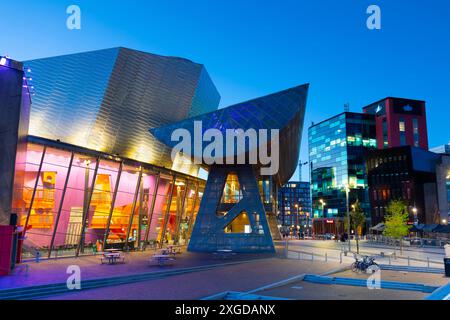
point(362, 265)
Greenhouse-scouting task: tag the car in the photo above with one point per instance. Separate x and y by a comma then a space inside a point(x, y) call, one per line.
point(329, 236)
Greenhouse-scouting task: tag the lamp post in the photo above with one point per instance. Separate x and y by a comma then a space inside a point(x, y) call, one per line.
point(307, 223)
point(347, 191)
point(296, 219)
point(414, 210)
point(323, 216)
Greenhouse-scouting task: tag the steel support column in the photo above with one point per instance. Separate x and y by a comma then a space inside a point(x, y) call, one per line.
point(61, 203)
point(133, 207)
point(166, 215)
point(180, 213)
point(113, 203)
point(191, 217)
point(152, 207)
point(34, 190)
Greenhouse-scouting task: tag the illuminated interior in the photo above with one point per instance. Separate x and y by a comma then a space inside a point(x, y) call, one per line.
point(74, 189)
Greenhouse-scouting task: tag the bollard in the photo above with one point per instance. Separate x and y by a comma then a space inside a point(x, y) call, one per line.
point(312, 257)
point(408, 262)
point(389, 260)
point(38, 257)
point(326, 257)
point(340, 258)
point(299, 257)
point(428, 262)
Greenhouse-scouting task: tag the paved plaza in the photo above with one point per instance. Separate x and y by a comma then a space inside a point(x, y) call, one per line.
point(240, 273)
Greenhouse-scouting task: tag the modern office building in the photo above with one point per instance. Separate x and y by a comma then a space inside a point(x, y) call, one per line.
point(294, 204)
point(82, 171)
point(337, 148)
point(89, 175)
point(407, 173)
point(399, 122)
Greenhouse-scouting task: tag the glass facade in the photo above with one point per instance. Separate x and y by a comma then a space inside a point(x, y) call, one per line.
point(336, 151)
point(75, 203)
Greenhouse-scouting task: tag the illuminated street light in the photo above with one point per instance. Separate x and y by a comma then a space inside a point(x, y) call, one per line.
point(414, 210)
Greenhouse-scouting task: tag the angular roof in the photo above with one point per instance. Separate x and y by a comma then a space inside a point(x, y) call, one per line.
point(283, 110)
point(105, 100)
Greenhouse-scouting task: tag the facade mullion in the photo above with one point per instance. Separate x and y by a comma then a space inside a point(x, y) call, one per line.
point(191, 217)
point(86, 209)
point(166, 215)
point(113, 202)
point(133, 208)
point(152, 208)
point(180, 213)
point(33, 195)
point(61, 203)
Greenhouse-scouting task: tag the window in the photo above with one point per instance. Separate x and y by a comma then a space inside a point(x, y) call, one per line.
point(401, 125)
point(416, 132)
point(402, 129)
point(385, 134)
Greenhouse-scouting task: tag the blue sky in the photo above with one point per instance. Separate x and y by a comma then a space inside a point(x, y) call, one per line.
point(255, 47)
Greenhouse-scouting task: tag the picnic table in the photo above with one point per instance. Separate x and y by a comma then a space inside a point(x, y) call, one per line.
point(174, 248)
point(224, 253)
point(162, 259)
point(112, 256)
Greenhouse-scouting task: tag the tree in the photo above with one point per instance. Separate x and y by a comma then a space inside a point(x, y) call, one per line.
point(396, 221)
point(357, 221)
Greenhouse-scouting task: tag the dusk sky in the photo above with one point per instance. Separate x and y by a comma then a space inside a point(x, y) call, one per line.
point(252, 47)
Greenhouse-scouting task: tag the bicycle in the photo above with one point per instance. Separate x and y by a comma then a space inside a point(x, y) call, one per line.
point(364, 264)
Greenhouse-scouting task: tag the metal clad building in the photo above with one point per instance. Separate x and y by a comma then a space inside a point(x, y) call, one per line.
point(106, 100)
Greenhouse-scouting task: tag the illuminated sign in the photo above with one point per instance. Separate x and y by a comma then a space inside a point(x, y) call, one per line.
point(407, 108)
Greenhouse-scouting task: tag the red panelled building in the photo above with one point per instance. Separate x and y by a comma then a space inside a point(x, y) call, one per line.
point(400, 122)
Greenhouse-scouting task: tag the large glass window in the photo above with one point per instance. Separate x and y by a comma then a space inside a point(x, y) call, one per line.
point(402, 129)
point(42, 218)
point(75, 207)
point(122, 226)
point(74, 220)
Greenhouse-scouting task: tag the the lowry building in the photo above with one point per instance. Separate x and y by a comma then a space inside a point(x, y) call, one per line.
point(80, 168)
point(239, 204)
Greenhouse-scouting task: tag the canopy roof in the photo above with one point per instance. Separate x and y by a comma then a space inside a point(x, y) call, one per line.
point(283, 110)
point(378, 227)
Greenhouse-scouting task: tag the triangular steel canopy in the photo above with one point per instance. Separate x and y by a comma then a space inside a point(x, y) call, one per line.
point(283, 110)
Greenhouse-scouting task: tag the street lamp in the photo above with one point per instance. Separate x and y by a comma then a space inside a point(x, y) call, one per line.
point(347, 191)
point(296, 220)
point(323, 216)
point(307, 224)
point(414, 210)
